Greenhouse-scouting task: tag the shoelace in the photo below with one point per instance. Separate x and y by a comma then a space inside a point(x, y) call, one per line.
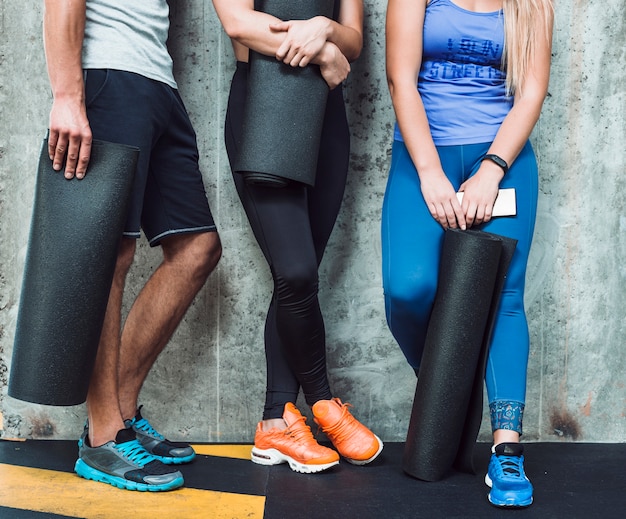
point(134, 452)
point(511, 465)
point(144, 425)
point(300, 433)
point(345, 427)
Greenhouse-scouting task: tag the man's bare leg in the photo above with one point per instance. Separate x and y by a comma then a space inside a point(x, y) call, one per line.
point(188, 259)
point(105, 418)
point(157, 311)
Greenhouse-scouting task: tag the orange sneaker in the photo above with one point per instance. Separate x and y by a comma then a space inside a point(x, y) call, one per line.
point(351, 438)
point(294, 445)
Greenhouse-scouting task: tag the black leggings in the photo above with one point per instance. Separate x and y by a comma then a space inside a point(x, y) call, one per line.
point(292, 226)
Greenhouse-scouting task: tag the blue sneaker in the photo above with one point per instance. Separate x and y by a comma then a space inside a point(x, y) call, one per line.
point(506, 478)
point(124, 463)
point(170, 453)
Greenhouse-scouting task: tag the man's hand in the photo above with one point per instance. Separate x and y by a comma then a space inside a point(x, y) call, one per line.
point(70, 137)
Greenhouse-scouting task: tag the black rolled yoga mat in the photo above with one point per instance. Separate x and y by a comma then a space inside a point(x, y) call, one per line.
point(465, 456)
point(468, 273)
point(72, 249)
point(284, 109)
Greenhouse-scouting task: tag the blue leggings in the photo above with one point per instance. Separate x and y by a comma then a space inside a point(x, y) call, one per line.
point(411, 244)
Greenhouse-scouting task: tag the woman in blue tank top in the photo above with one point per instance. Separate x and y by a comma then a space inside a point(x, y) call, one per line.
point(482, 69)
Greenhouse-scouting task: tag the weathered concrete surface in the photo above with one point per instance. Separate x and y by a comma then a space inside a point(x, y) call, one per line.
point(209, 384)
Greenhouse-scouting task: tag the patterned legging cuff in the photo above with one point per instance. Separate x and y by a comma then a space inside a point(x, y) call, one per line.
point(506, 415)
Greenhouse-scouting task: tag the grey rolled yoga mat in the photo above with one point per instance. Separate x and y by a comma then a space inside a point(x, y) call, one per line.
point(471, 271)
point(284, 109)
point(464, 460)
point(75, 231)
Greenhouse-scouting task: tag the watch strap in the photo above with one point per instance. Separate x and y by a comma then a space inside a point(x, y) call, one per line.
point(497, 160)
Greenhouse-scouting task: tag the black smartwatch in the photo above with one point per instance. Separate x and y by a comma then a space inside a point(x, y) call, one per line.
point(497, 160)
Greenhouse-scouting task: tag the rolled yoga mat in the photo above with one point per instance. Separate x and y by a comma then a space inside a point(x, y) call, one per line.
point(284, 109)
point(468, 272)
point(465, 460)
point(75, 231)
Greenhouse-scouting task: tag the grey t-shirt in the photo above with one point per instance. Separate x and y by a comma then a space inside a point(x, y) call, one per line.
point(129, 35)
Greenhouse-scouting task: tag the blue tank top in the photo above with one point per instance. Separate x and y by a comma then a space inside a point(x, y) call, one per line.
point(461, 82)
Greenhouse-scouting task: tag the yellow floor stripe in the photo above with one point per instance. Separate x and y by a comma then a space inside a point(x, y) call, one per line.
point(225, 451)
point(67, 494)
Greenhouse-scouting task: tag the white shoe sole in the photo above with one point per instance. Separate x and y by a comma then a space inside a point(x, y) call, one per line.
point(275, 457)
point(365, 462)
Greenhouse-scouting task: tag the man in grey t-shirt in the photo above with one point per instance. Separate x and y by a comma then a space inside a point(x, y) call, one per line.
point(111, 77)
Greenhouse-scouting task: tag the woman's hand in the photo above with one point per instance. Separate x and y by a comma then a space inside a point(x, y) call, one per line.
point(334, 66)
point(441, 200)
point(304, 40)
point(480, 192)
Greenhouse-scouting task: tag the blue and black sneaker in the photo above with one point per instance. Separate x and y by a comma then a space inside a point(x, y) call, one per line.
point(509, 485)
point(170, 453)
point(124, 463)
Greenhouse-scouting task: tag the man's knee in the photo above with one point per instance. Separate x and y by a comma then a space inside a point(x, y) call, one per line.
point(208, 251)
point(198, 253)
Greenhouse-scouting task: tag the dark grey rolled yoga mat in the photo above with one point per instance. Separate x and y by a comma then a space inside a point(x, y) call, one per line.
point(75, 231)
point(468, 273)
point(465, 460)
point(284, 109)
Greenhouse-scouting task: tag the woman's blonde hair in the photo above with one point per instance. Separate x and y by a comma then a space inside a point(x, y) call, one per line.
point(526, 22)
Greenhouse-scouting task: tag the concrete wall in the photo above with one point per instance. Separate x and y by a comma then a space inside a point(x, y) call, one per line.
point(209, 384)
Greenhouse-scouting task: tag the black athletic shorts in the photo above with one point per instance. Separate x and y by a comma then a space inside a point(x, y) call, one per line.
point(168, 194)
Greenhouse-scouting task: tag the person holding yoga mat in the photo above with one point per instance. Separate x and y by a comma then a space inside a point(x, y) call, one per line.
point(292, 223)
point(112, 80)
point(467, 80)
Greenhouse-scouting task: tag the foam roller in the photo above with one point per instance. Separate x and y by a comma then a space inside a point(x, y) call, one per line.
point(468, 279)
point(284, 110)
point(465, 455)
point(75, 231)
